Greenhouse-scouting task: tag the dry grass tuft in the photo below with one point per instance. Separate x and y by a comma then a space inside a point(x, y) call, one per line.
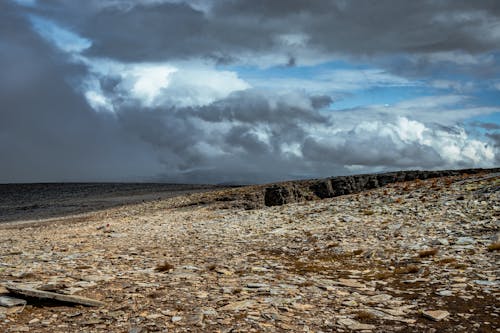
point(165, 267)
point(357, 252)
point(364, 315)
point(211, 267)
point(458, 265)
point(383, 275)
point(306, 284)
point(407, 269)
point(494, 247)
point(427, 253)
point(300, 267)
point(448, 260)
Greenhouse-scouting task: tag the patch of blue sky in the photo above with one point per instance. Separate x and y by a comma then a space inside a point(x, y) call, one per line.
point(488, 97)
point(492, 118)
point(350, 85)
point(297, 72)
point(62, 38)
point(386, 96)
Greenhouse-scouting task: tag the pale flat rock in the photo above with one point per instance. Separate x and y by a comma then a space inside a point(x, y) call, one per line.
point(355, 325)
point(351, 283)
point(393, 312)
point(224, 271)
point(445, 293)
point(350, 303)
point(465, 241)
point(30, 292)
point(176, 319)
point(154, 316)
point(362, 327)
point(259, 269)
point(380, 298)
point(303, 307)
point(436, 315)
point(485, 282)
point(12, 310)
point(237, 306)
point(384, 315)
point(257, 285)
point(96, 278)
point(9, 302)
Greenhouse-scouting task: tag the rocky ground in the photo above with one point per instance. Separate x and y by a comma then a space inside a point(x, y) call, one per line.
point(418, 256)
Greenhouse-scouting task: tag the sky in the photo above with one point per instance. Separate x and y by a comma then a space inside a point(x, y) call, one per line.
point(245, 91)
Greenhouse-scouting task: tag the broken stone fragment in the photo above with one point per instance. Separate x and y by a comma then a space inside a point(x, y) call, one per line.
point(436, 315)
point(355, 325)
point(236, 306)
point(30, 292)
point(465, 241)
point(351, 283)
point(9, 302)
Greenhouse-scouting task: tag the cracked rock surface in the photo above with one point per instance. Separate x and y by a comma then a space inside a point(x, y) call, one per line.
point(415, 256)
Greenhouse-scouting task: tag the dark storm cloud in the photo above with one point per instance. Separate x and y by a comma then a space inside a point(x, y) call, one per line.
point(321, 101)
point(495, 138)
point(136, 31)
point(487, 126)
point(253, 107)
point(47, 130)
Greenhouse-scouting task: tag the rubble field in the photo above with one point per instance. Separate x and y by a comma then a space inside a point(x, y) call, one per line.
point(412, 256)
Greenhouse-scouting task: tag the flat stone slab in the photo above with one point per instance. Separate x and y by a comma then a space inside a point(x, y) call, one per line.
point(30, 292)
point(9, 302)
point(436, 315)
point(351, 283)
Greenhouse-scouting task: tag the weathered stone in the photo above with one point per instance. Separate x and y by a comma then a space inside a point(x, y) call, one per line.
point(322, 189)
point(436, 315)
point(257, 285)
point(9, 302)
point(465, 241)
point(355, 325)
point(351, 283)
point(30, 292)
point(176, 319)
point(237, 306)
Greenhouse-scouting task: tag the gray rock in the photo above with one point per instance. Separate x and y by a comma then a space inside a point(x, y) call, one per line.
point(445, 293)
point(465, 241)
point(9, 302)
point(436, 315)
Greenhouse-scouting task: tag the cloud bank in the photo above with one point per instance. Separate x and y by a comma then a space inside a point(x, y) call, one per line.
point(151, 90)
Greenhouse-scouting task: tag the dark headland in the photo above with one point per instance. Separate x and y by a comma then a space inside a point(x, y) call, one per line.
point(51, 200)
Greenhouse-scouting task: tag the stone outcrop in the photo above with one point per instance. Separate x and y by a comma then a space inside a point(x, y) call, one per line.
point(283, 193)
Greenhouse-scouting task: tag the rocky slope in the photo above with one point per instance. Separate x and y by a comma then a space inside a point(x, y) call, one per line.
point(411, 256)
point(258, 196)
